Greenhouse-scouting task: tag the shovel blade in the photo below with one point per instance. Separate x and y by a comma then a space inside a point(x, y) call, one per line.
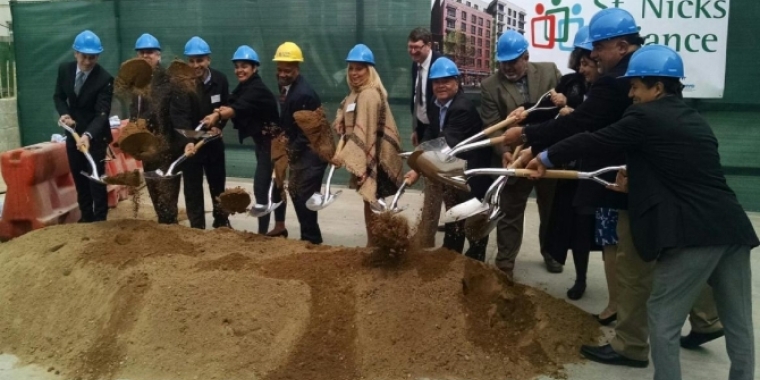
point(465, 210)
point(323, 203)
point(260, 210)
point(93, 178)
point(315, 201)
point(193, 134)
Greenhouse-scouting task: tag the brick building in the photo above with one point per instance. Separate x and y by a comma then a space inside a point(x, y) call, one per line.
point(465, 36)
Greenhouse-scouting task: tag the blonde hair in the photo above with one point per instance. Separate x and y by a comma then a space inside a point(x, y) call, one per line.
point(372, 81)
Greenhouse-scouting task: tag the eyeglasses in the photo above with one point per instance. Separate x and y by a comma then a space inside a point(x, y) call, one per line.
point(416, 48)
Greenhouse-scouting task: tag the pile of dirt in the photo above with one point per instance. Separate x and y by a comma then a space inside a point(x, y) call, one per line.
point(134, 299)
point(234, 200)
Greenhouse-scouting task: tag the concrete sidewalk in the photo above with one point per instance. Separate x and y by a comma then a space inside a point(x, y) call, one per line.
point(342, 224)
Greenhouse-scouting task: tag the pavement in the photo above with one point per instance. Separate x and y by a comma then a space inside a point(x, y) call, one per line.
point(342, 225)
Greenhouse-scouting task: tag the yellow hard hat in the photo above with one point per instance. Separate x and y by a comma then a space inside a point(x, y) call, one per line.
point(288, 52)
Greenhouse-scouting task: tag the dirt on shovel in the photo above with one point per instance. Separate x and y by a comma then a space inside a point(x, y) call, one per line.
point(138, 142)
point(235, 200)
point(182, 76)
point(390, 234)
point(134, 77)
point(131, 178)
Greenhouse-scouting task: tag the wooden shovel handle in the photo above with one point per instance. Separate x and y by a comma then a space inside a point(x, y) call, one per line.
point(504, 123)
point(341, 144)
point(558, 174)
point(496, 140)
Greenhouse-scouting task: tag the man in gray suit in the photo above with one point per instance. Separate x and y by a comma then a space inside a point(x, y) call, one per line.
point(518, 82)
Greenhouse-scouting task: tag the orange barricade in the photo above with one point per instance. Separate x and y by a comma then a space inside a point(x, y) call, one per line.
point(40, 191)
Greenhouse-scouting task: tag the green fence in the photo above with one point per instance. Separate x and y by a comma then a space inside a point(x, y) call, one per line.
point(325, 30)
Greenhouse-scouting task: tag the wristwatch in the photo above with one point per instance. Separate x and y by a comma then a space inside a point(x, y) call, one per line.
point(524, 138)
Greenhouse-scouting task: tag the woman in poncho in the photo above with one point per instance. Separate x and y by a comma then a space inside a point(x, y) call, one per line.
point(372, 146)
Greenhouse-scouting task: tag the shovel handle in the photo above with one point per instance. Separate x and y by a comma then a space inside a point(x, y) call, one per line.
point(341, 144)
point(504, 123)
point(557, 174)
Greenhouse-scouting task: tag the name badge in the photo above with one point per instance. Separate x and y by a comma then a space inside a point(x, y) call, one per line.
point(351, 107)
point(216, 98)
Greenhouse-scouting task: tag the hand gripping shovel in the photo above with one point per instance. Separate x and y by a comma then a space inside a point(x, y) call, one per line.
point(197, 133)
point(380, 206)
point(159, 174)
point(319, 201)
point(440, 145)
point(94, 177)
point(481, 225)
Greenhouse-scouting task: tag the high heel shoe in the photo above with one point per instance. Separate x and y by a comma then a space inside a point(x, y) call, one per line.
point(606, 321)
point(576, 292)
point(283, 233)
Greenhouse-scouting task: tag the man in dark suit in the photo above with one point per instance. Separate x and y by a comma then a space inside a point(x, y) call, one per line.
point(419, 46)
point(518, 81)
point(682, 212)
point(618, 39)
point(214, 92)
point(82, 97)
point(306, 167)
point(455, 118)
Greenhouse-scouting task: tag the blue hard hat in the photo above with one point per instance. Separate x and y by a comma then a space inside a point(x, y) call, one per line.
point(610, 23)
point(511, 46)
point(581, 39)
point(245, 53)
point(655, 61)
point(197, 46)
point(146, 42)
point(87, 42)
point(443, 68)
point(361, 53)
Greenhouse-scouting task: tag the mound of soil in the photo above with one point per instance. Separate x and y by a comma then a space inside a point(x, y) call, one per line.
point(134, 299)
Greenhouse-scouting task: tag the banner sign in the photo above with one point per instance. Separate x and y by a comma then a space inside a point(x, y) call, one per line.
point(697, 29)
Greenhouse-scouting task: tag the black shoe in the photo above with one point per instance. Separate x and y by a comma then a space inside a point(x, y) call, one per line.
point(552, 265)
point(576, 292)
point(696, 339)
point(441, 228)
point(283, 233)
point(221, 223)
point(606, 355)
point(605, 321)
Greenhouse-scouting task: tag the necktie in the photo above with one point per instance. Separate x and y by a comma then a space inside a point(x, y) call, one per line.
point(283, 94)
point(418, 87)
point(79, 82)
point(442, 116)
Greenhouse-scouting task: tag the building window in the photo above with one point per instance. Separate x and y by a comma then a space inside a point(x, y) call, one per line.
point(474, 19)
point(488, 24)
point(478, 65)
point(488, 63)
point(451, 12)
point(459, 1)
point(472, 40)
point(451, 24)
point(501, 17)
point(488, 33)
point(476, 7)
point(480, 31)
point(472, 29)
point(480, 42)
point(488, 54)
point(477, 52)
point(480, 21)
point(463, 27)
point(469, 4)
point(464, 15)
point(501, 7)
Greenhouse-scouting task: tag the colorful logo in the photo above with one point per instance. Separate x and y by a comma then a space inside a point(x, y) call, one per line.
point(556, 26)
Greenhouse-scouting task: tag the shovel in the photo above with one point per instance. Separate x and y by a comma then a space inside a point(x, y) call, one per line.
point(527, 173)
point(441, 166)
point(440, 145)
point(475, 206)
point(197, 133)
point(380, 206)
point(159, 174)
point(94, 177)
point(319, 201)
point(258, 210)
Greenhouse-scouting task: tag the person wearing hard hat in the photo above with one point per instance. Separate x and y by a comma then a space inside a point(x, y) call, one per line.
point(372, 143)
point(306, 167)
point(615, 37)
point(252, 108)
point(517, 82)
point(82, 97)
point(455, 118)
point(684, 217)
point(213, 92)
point(419, 45)
point(147, 48)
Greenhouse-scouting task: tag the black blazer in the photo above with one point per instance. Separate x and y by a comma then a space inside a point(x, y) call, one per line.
point(215, 93)
point(678, 196)
point(300, 97)
point(606, 101)
point(428, 91)
point(91, 108)
point(462, 120)
point(255, 109)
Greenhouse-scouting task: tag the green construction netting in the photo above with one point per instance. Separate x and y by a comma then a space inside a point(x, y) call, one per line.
point(325, 30)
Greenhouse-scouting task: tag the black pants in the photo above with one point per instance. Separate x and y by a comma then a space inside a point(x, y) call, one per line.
point(306, 172)
point(91, 196)
point(208, 160)
point(454, 232)
point(262, 178)
point(164, 193)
